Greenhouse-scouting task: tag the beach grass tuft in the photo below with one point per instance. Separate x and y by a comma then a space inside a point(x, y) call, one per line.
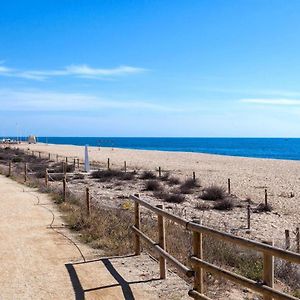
point(153, 185)
point(148, 175)
point(213, 193)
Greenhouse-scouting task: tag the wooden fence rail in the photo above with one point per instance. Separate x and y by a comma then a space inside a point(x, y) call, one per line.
point(269, 251)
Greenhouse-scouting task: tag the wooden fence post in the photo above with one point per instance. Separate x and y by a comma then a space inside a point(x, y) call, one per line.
point(108, 164)
point(66, 160)
point(49, 156)
point(46, 177)
point(268, 271)
point(74, 163)
point(25, 172)
point(287, 239)
point(125, 166)
point(64, 189)
point(162, 244)
point(266, 197)
point(88, 205)
point(194, 176)
point(248, 217)
point(39, 154)
point(32, 153)
point(198, 252)
point(298, 239)
point(229, 186)
point(78, 163)
point(159, 171)
point(56, 157)
point(9, 169)
point(137, 224)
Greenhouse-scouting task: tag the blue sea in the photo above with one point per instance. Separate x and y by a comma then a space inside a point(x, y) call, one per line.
point(276, 148)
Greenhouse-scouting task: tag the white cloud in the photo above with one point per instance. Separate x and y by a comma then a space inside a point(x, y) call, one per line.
point(83, 71)
point(274, 101)
point(37, 100)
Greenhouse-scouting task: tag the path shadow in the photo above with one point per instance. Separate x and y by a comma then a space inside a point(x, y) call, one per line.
point(121, 281)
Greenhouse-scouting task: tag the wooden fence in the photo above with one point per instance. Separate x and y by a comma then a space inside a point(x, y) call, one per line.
point(265, 288)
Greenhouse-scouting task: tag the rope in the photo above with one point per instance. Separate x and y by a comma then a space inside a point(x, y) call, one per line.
point(30, 170)
point(50, 177)
point(51, 224)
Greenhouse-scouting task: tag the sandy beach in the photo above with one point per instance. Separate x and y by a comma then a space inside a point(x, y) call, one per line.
point(249, 178)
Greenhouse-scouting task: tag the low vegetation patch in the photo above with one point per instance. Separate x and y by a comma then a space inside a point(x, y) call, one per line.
point(173, 180)
point(225, 204)
point(213, 193)
point(160, 194)
point(153, 185)
point(188, 186)
point(148, 175)
point(165, 176)
point(108, 175)
point(56, 177)
point(262, 207)
point(17, 159)
point(174, 198)
point(78, 176)
point(202, 206)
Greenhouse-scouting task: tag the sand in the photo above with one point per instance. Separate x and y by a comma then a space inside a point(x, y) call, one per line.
point(249, 178)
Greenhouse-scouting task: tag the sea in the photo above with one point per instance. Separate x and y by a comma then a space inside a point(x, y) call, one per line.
point(274, 148)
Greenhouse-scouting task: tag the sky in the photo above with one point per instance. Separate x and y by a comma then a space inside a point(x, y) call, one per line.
point(195, 68)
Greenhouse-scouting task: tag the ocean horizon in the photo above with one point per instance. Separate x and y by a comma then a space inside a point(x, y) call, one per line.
point(273, 148)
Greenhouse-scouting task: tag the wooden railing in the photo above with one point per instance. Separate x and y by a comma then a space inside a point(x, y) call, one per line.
point(265, 288)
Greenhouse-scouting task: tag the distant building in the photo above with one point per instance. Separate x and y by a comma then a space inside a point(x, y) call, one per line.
point(31, 139)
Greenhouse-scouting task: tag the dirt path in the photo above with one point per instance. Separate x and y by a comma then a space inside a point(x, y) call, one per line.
point(37, 262)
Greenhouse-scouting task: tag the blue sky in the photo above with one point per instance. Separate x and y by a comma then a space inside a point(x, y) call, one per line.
point(150, 68)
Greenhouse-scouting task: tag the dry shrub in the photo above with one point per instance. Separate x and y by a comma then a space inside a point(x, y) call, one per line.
point(263, 207)
point(173, 180)
point(108, 175)
point(56, 177)
point(58, 168)
point(213, 193)
point(128, 176)
point(188, 186)
point(287, 272)
point(165, 176)
point(17, 159)
point(78, 176)
point(108, 229)
point(160, 195)
point(148, 175)
point(153, 185)
point(38, 167)
point(174, 198)
point(225, 204)
point(202, 206)
point(40, 174)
